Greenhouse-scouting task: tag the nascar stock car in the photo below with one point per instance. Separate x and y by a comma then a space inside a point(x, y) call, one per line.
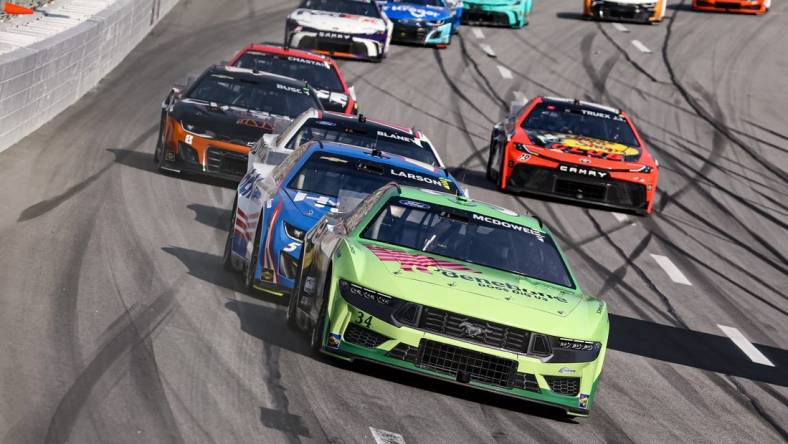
point(209, 126)
point(456, 7)
point(423, 22)
point(319, 71)
point(351, 130)
point(355, 29)
point(574, 150)
point(512, 13)
point(279, 200)
point(641, 11)
point(453, 289)
point(743, 6)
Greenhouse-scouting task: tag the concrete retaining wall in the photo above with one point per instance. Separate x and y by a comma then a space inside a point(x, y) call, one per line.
point(40, 80)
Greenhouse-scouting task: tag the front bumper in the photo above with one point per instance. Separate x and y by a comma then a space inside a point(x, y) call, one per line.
point(353, 46)
point(422, 34)
point(609, 192)
point(493, 14)
point(624, 12)
point(470, 364)
point(208, 158)
point(744, 7)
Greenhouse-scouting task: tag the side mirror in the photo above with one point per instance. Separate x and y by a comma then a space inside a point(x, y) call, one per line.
point(270, 139)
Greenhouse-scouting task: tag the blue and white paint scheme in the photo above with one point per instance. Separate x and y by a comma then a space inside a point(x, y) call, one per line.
point(424, 22)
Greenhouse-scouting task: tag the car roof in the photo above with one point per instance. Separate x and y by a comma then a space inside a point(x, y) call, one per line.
point(340, 117)
point(280, 50)
point(471, 205)
point(583, 103)
point(248, 74)
point(386, 158)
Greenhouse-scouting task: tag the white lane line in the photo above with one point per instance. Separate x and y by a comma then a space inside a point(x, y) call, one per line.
point(620, 27)
point(478, 33)
point(487, 49)
point(386, 437)
point(671, 269)
point(505, 73)
point(640, 46)
point(519, 101)
point(620, 217)
point(745, 345)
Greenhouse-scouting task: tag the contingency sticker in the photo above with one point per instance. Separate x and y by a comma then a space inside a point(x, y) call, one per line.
point(583, 400)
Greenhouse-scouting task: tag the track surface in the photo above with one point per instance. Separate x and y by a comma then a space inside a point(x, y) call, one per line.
point(119, 324)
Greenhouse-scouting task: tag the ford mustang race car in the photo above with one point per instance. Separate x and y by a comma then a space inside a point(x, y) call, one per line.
point(357, 131)
point(743, 6)
point(641, 11)
point(319, 71)
point(423, 22)
point(209, 126)
point(453, 289)
point(512, 13)
point(342, 28)
point(275, 206)
point(574, 150)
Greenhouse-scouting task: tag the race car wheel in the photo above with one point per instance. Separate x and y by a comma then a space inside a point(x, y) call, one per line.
point(317, 336)
point(227, 257)
point(295, 297)
point(250, 267)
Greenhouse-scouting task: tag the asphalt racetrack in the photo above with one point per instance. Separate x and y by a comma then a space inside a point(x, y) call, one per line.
point(119, 324)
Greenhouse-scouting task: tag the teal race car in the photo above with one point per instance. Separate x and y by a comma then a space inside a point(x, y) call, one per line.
point(453, 289)
point(510, 13)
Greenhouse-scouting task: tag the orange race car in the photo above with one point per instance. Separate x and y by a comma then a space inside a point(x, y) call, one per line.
point(209, 126)
point(742, 6)
point(574, 150)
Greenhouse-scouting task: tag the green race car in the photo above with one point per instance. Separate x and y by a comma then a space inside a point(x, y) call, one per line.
point(454, 289)
point(511, 13)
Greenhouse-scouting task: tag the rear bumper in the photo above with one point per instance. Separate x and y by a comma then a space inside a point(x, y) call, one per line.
point(356, 47)
point(624, 12)
point(744, 7)
point(610, 193)
point(495, 15)
point(422, 35)
point(447, 359)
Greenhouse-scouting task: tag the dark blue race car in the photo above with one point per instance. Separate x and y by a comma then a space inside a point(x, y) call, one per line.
point(283, 196)
point(423, 22)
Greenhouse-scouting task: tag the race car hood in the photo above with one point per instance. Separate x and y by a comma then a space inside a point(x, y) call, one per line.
point(335, 21)
point(451, 285)
point(235, 125)
point(409, 11)
point(311, 205)
point(601, 152)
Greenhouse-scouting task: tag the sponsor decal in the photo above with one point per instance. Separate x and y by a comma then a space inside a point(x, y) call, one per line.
point(580, 171)
point(588, 112)
point(598, 147)
point(255, 124)
point(508, 225)
point(333, 35)
point(506, 287)
point(415, 12)
point(334, 340)
point(416, 262)
point(292, 89)
point(583, 401)
point(395, 136)
point(415, 204)
point(320, 64)
point(440, 181)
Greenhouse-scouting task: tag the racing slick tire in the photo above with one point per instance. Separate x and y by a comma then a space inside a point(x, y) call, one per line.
point(227, 256)
point(249, 273)
point(317, 333)
point(295, 297)
point(490, 176)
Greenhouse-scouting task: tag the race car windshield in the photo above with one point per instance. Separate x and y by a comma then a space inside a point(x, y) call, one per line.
point(263, 95)
point(344, 6)
point(320, 75)
point(438, 3)
point(569, 119)
point(389, 141)
point(471, 238)
point(329, 174)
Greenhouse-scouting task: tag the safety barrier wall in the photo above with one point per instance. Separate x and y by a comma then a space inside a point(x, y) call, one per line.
point(39, 81)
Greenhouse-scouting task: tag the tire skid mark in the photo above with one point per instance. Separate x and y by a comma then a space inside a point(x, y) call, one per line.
point(598, 79)
point(466, 57)
point(135, 330)
point(623, 52)
point(455, 89)
point(279, 416)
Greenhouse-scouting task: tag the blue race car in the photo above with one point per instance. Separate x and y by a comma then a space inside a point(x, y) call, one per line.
point(422, 22)
point(283, 196)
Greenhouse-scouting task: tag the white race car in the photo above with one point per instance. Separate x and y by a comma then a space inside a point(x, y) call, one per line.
point(355, 29)
point(351, 130)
